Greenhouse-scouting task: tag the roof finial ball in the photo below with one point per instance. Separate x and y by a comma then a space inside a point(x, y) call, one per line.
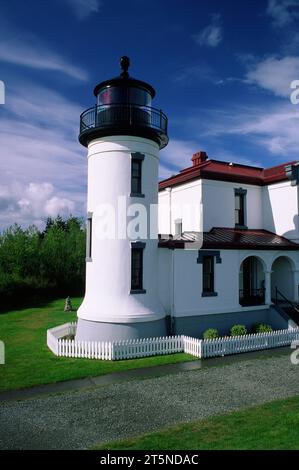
point(125, 64)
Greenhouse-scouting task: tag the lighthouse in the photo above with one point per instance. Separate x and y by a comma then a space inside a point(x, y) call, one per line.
point(123, 134)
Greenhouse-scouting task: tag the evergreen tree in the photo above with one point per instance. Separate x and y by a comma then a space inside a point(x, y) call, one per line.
point(48, 262)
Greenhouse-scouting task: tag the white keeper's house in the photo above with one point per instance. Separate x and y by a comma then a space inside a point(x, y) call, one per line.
point(228, 244)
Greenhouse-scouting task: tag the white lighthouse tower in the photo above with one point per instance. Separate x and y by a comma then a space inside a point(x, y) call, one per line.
point(123, 134)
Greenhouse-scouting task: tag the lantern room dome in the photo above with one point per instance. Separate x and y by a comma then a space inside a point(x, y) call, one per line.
point(124, 108)
point(121, 86)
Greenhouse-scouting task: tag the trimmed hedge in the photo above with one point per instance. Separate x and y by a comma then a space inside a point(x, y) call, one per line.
point(211, 333)
point(238, 330)
point(262, 328)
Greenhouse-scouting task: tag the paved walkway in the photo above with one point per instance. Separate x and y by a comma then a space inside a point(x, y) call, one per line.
point(85, 417)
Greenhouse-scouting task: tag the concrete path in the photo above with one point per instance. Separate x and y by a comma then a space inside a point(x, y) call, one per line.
point(82, 418)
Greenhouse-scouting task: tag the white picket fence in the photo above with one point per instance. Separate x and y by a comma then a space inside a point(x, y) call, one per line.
point(147, 347)
point(55, 335)
point(129, 349)
point(192, 346)
point(239, 344)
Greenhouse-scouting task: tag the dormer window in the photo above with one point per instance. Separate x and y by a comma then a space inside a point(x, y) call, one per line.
point(240, 208)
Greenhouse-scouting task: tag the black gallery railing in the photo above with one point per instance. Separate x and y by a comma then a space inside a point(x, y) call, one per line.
point(250, 297)
point(123, 115)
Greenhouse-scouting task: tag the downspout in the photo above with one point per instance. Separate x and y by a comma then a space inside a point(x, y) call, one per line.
point(170, 209)
point(292, 173)
point(172, 321)
point(201, 212)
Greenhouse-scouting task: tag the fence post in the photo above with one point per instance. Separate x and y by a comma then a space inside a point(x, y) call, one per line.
point(200, 348)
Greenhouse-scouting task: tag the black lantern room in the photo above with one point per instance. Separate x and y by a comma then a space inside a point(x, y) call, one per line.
point(124, 107)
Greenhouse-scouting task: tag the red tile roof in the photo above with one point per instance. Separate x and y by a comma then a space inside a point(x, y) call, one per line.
point(223, 171)
point(232, 239)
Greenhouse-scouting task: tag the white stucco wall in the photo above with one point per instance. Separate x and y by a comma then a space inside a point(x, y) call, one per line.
point(274, 207)
point(165, 277)
point(204, 204)
point(188, 300)
point(180, 202)
point(164, 214)
point(180, 290)
point(280, 209)
point(219, 204)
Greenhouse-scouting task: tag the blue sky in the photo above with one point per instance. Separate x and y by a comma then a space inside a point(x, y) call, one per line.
point(222, 70)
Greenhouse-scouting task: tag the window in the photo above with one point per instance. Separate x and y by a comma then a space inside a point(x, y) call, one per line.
point(122, 95)
point(89, 237)
point(208, 274)
point(208, 259)
point(136, 174)
point(136, 177)
point(137, 268)
point(240, 204)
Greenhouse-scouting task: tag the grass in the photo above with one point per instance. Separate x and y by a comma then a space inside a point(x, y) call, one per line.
point(29, 362)
point(273, 426)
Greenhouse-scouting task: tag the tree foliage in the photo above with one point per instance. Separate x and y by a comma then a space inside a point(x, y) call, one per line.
point(48, 262)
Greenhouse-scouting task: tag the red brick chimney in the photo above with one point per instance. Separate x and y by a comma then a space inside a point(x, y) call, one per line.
point(199, 157)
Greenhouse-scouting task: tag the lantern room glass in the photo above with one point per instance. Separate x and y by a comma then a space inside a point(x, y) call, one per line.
point(124, 95)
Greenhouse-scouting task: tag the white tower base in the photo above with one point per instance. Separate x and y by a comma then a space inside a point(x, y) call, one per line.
point(110, 310)
point(100, 331)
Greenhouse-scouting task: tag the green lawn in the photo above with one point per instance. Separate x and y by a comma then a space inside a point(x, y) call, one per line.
point(29, 362)
point(272, 426)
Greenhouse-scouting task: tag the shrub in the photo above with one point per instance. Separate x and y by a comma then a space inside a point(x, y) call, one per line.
point(262, 328)
point(211, 333)
point(238, 330)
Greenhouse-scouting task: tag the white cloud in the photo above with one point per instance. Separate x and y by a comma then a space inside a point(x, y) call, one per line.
point(277, 131)
point(44, 106)
point(274, 130)
point(283, 12)
point(29, 52)
point(211, 35)
point(84, 8)
point(31, 203)
point(38, 200)
point(42, 157)
point(56, 205)
point(275, 75)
